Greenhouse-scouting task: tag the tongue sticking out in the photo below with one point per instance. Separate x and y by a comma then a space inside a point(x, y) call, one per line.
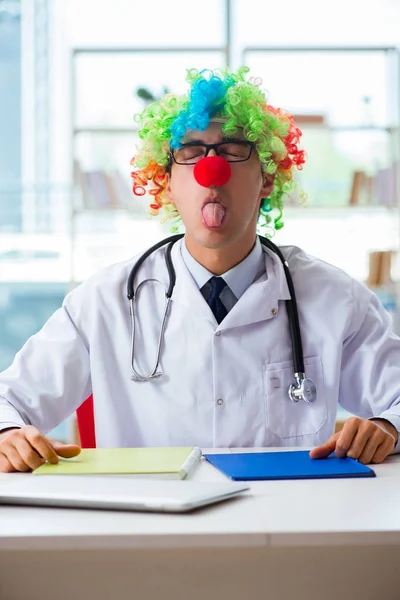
point(213, 214)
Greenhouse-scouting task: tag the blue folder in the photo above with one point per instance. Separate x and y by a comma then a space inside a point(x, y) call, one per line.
point(255, 466)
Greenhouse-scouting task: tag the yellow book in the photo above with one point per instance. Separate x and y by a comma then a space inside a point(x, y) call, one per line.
point(170, 463)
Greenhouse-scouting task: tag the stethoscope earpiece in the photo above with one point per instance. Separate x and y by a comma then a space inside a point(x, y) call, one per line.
point(212, 170)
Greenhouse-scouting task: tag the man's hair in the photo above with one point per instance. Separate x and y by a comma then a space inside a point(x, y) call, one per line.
point(238, 103)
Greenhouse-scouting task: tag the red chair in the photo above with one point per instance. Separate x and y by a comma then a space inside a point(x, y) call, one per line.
point(85, 419)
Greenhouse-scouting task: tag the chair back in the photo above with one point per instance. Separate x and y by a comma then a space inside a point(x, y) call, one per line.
point(85, 419)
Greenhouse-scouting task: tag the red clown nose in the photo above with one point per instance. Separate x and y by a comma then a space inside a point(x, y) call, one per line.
point(212, 170)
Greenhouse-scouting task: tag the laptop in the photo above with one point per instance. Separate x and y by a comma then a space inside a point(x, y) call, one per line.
point(114, 492)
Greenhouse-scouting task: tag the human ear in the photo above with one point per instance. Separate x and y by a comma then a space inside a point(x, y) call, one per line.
point(168, 190)
point(267, 185)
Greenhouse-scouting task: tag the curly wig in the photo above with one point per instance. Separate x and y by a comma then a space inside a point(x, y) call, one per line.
point(238, 103)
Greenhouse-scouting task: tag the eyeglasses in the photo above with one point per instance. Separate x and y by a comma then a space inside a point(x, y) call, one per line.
point(232, 151)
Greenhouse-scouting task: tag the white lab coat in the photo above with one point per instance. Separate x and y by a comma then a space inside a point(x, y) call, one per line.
point(223, 385)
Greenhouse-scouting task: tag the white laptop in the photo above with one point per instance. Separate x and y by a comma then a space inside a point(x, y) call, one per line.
point(115, 492)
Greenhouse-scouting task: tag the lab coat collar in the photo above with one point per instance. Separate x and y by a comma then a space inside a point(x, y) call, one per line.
point(249, 308)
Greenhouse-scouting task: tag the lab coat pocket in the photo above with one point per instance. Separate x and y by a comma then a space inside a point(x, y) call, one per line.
point(288, 419)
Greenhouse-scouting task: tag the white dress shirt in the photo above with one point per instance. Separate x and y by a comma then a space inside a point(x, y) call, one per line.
point(238, 279)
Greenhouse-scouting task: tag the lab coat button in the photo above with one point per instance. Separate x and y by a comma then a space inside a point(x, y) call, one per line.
point(274, 312)
point(217, 333)
point(220, 401)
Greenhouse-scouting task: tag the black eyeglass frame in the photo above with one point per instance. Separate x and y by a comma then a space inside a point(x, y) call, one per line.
point(214, 147)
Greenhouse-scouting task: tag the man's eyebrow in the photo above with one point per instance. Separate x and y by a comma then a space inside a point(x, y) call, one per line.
point(193, 141)
point(233, 139)
point(224, 139)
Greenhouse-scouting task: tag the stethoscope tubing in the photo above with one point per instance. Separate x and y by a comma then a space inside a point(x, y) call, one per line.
point(291, 304)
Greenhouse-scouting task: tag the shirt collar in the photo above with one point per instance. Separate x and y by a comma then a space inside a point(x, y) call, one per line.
point(239, 278)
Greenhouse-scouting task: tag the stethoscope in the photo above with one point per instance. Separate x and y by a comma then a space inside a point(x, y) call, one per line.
point(303, 388)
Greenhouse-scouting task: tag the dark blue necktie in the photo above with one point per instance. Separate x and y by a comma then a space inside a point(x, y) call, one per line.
point(217, 284)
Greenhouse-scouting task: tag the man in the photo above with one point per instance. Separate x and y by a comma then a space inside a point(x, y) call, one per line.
point(220, 159)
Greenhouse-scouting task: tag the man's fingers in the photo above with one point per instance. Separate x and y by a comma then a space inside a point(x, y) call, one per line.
point(384, 447)
point(346, 437)
point(369, 450)
point(16, 461)
point(5, 465)
point(25, 449)
point(360, 439)
point(325, 449)
point(28, 454)
point(381, 453)
point(65, 450)
point(339, 442)
point(369, 437)
point(41, 444)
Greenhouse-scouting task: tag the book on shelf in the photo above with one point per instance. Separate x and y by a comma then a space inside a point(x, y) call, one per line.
point(387, 185)
point(362, 189)
point(309, 119)
point(380, 265)
point(381, 282)
point(380, 189)
point(101, 189)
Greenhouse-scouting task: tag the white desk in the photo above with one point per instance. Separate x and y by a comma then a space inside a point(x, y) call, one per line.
point(318, 539)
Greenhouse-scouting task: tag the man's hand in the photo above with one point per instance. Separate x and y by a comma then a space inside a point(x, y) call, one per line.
point(26, 449)
point(366, 441)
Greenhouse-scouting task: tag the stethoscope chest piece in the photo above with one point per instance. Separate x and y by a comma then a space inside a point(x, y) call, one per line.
point(304, 389)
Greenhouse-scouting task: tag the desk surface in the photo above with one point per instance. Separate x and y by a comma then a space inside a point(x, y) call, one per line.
point(273, 513)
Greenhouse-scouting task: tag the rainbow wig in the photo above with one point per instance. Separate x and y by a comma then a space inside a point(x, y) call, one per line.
point(239, 103)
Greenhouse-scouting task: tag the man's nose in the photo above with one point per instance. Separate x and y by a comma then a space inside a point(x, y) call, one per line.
point(212, 171)
point(212, 152)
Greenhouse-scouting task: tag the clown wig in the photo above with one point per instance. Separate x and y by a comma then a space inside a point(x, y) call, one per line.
point(238, 103)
